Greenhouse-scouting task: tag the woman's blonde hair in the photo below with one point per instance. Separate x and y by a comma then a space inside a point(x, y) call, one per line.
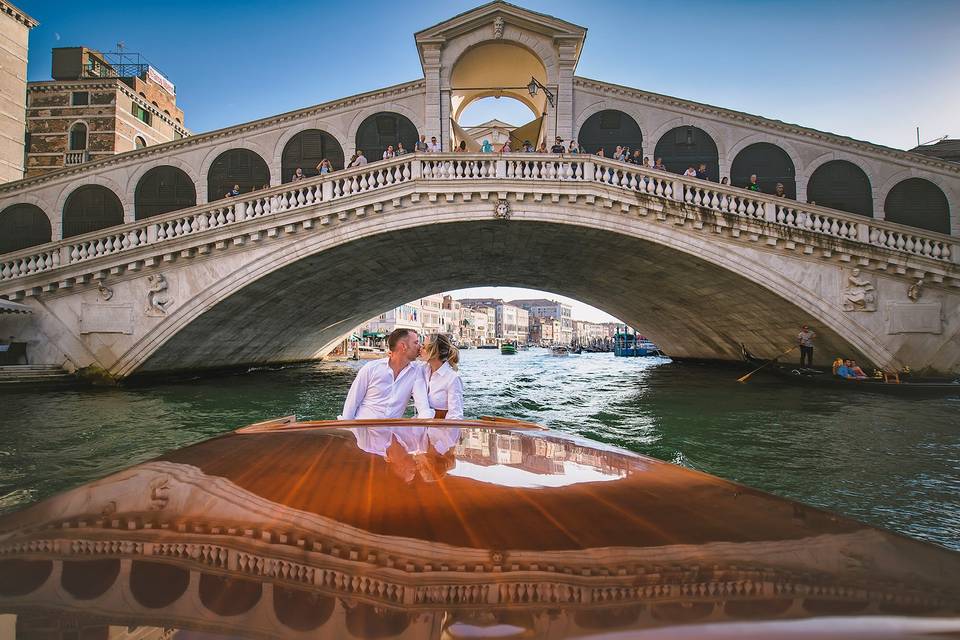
point(441, 348)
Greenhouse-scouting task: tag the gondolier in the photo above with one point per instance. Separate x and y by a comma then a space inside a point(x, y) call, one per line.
point(805, 340)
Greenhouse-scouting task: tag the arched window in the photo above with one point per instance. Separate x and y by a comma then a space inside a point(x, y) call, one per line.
point(770, 163)
point(306, 149)
point(21, 226)
point(240, 167)
point(78, 137)
point(918, 203)
point(378, 131)
point(683, 147)
point(163, 189)
point(842, 185)
point(139, 142)
point(609, 129)
point(91, 208)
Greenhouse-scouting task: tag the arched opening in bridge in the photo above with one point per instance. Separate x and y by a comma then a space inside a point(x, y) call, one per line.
point(498, 70)
point(157, 584)
point(241, 167)
point(163, 189)
point(309, 301)
point(770, 163)
point(918, 203)
point(842, 185)
point(88, 579)
point(228, 596)
point(306, 150)
point(609, 129)
point(90, 208)
point(301, 610)
point(687, 146)
point(23, 225)
point(381, 130)
point(495, 120)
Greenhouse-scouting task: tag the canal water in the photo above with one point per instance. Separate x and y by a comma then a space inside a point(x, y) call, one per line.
point(891, 462)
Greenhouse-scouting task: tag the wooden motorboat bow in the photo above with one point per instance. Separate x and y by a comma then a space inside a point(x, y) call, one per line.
point(452, 529)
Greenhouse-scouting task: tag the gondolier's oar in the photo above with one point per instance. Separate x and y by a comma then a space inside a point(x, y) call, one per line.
point(747, 377)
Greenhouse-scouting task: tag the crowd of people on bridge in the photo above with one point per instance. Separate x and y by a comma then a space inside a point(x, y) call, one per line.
point(622, 153)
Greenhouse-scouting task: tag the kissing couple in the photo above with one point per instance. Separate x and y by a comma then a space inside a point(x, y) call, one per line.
point(428, 373)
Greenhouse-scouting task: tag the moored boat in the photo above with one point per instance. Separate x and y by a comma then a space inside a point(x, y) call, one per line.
point(452, 529)
point(633, 345)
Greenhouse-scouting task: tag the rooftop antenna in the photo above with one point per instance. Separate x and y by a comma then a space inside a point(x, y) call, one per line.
point(936, 140)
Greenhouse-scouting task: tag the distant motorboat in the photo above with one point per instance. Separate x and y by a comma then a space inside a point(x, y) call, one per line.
point(508, 349)
point(559, 350)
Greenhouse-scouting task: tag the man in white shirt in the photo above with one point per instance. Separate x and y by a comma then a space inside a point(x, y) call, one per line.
point(382, 388)
point(434, 146)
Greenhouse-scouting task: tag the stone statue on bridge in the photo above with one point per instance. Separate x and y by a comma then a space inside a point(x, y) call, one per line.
point(157, 298)
point(860, 294)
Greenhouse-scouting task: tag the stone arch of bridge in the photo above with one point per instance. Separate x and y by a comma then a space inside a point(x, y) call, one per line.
point(496, 68)
point(214, 153)
point(292, 303)
point(953, 199)
point(125, 197)
point(386, 107)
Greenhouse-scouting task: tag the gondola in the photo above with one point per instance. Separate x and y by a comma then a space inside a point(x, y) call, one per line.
point(814, 377)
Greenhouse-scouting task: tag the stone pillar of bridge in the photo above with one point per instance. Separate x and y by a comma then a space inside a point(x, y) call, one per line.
point(433, 112)
point(569, 54)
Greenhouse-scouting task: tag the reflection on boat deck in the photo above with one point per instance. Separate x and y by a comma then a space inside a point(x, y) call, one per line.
point(444, 532)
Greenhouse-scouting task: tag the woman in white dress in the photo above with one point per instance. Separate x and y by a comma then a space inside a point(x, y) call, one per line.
point(444, 388)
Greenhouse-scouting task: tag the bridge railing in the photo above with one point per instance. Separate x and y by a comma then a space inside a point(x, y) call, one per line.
point(726, 200)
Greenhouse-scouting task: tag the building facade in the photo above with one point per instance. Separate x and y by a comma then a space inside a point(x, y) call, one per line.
point(512, 323)
point(92, 109)
point(431, 313)
point(15, 28)
point(406, 316)
point(481, 325)
point(559, 311)
point(543, 331)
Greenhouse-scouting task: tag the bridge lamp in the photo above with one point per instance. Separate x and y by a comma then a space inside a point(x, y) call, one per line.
point(534, 85)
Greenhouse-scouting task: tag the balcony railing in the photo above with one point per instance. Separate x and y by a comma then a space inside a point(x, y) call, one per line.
point(71, 158)
point(732, 203)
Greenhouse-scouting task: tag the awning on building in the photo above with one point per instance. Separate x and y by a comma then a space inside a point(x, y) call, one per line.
point(13, 307)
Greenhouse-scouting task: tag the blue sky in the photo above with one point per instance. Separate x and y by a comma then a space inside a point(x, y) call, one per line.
point(872, 70)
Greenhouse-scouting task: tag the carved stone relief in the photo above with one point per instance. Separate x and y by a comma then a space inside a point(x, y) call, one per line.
point(502, 210)
point(859, 294)
point(915, 290)
point(159, 299)
point(498, 25)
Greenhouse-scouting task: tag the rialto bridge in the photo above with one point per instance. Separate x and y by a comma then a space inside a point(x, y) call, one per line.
point(136, 263)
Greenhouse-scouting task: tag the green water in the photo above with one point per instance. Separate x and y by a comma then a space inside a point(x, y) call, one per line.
point(890, 462)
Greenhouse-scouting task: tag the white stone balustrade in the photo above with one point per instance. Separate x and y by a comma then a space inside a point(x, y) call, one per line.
point(515, 167)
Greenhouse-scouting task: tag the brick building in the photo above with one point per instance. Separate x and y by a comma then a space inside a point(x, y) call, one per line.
point(97, 105)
